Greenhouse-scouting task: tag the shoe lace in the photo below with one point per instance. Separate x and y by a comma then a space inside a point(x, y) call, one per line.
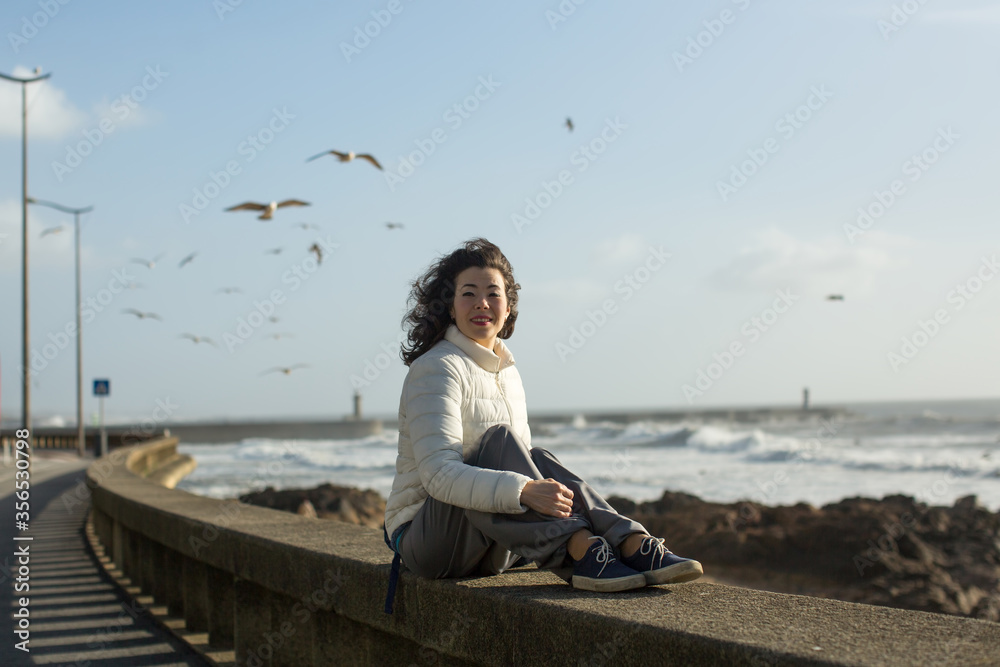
point(656, 547)
point(651, 544)
point(603, 555)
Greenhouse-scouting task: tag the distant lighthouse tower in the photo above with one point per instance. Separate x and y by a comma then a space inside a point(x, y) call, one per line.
point(357, 405)
point(805, 398)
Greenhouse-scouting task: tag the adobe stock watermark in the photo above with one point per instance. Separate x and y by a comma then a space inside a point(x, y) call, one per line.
point(926, 330)
point(102, 640)
point(454, 116)
point(627, 287)
point(100, 470)
point(363, 36)
point(621, 464)
point(786, 126)
point(581, 158)
point(265, 475)
point(705, 39)
point(752, 330)
point(248, 149)
point(31, 26)
point(562, 12)
point(295, 276)
point(769, 487)
point(914, 169)
point(374, 366)
point(886, 544)
point(320, 599)
point(899, 17)
point(121, 108)
point(429, 656)
point(60, 339)
point(223, 7)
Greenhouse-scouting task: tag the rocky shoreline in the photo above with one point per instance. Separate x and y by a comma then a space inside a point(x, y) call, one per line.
point(894, 552)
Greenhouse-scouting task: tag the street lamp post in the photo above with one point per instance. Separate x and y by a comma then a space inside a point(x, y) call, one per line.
point(25, 329)
point(80, 441)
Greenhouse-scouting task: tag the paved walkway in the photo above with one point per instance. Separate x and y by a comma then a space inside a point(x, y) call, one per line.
point(77, 615)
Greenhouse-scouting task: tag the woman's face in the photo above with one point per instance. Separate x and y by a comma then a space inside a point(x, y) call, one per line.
point(480, 307)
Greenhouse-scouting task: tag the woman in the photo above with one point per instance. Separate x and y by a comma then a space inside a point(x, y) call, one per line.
point(470, 495)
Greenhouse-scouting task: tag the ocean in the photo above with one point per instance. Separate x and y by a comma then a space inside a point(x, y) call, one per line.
point(935, 451)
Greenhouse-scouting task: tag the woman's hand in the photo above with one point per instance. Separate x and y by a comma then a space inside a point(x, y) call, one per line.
point(549, 497)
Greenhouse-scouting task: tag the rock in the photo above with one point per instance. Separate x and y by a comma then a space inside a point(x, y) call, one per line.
point(306, 509)
point(328, 501)
point(895, 552)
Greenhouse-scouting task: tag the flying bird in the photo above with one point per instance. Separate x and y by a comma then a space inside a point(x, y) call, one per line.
point(52, 230)
point(319, 252)
point(394, 225)
point(274, 318)
point(198, 339)
point(347, 157)
point(268, 209)
point(141, 315)
point(835, 297)
point(304, 225)
point(187, 260)
point(287, 370)
point(569, 124)
point(229, 290)
point(273, 251)
point(279, 336)
point(148, 263)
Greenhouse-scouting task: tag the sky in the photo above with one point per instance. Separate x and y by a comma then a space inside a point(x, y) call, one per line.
point(731, 166)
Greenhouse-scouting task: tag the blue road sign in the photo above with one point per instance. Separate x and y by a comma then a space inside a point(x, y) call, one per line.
point(102, 387)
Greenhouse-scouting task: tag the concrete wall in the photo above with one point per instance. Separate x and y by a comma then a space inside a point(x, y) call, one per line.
point(281, 589)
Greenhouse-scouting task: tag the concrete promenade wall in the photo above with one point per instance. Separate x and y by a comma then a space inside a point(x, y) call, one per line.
point(280, 589)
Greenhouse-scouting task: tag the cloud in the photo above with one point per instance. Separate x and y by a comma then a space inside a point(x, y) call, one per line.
point(778, 260)
point(121, 115)
point(50, 114)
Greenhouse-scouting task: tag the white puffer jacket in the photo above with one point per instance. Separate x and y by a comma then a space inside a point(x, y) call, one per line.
point(451, 396)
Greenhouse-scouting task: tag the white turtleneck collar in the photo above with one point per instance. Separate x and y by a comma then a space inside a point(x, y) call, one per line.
point(491, 361)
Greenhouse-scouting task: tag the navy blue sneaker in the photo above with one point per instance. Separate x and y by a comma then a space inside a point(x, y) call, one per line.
point(660, 565)
point(600, 571)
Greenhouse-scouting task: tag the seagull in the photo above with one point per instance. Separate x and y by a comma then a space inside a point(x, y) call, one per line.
point(835, 297)
point(52, 230)
point(273, 251)
point(569, 124)
point(286, 370)
point(229, 290)
point(141, 315)
point(268, 209)
point(319, 252)
point(304, 225)
point(187, 260)
point(148, 263)
point(347, 157)
point(198, 339)
point(394, 225)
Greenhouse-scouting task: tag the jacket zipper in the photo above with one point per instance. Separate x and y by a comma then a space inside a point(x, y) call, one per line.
point(503, 395)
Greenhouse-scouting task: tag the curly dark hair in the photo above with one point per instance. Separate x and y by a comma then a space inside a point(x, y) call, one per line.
point(433, 293)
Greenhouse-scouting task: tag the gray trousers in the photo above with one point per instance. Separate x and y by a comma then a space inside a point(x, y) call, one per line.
point(446, 541)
